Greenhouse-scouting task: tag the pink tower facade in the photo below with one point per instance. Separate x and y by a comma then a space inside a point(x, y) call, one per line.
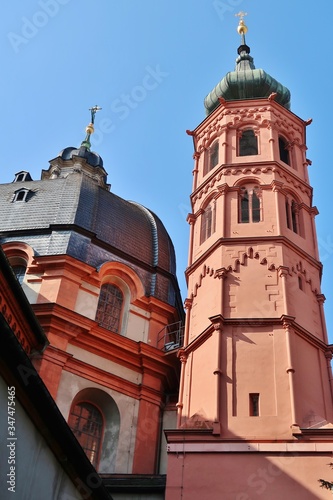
point(255, 401)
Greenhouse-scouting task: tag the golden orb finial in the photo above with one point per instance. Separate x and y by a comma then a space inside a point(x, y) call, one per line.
point(241, 28)
point(90, 128)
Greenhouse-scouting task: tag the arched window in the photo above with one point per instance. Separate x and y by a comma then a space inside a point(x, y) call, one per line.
point(19, 272)
point(22, 176)
point(21, 195)
point(95, 411)
point(248, 143)
point(86, 423)
point(250, 204)
point(284, 151)
point(109, 307)
point(207, 222)
point(292, 216)
point(244, 206)
point(211, 157)
point(19, 266)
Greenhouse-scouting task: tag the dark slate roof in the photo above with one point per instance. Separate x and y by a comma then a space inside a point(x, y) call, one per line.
point(73, 215)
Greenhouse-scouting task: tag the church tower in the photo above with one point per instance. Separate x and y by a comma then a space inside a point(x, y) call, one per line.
point(255, 399)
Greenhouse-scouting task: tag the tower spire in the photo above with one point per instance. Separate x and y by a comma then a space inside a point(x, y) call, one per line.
point(245, 82)
point(90, 128)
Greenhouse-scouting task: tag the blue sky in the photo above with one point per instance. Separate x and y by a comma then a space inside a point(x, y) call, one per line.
point(149, 65)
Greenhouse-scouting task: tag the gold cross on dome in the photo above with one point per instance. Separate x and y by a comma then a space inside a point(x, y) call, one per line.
point(241, 15)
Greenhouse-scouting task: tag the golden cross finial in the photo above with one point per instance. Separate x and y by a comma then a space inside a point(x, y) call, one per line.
point(93, 111)
point(241, 28)
point(241, 15)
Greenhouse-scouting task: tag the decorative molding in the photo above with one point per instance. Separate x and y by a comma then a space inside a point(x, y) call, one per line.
point(11, 318)
point(249, 115)
point(223, 272)
point(255, 169)
point(206, 271)
point(292, 448)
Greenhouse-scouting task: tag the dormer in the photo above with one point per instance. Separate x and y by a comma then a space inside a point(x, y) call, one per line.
point(22, 176)
point(21, 194)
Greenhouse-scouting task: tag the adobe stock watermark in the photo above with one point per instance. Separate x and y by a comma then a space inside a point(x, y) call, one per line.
point(126, 103)
point(325, 247)
point(31, 26)
point(263, 478)
point(225, 7)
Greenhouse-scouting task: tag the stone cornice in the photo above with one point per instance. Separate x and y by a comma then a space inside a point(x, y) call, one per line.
point(250, 242)
point(264, 113)
point(254, 168)
point(281, 322)
point(84, 333)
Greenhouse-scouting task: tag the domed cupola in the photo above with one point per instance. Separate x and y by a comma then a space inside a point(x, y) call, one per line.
point(91, 157)
point(81, 159)
point(246, 82)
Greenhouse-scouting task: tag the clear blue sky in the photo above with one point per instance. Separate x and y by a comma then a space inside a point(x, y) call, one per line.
point(149, 64)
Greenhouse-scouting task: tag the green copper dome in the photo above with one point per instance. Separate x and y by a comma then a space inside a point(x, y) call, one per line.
point(246, 82)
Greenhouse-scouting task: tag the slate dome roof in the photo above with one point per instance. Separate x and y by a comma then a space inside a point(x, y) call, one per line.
point(92, 158)
point(72, 214)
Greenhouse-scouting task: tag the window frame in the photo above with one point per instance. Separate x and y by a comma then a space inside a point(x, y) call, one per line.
point(20, 195)
point(241, 148)
point(17, 261)
point(254, 404)
point(284, 150)
point(251, 212)
point(95, 461)
point(292, 215)
point(208, 221)
point(211, 157)
point(22, 176)
point(104, 301)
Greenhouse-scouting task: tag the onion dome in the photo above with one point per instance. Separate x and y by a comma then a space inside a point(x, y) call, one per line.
point(91, 157)
point(246, 82)
point(81, 159)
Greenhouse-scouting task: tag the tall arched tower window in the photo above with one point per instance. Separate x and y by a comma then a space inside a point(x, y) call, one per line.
point(249, 204)
point(86, 423)
point(211, 157)
point(284, 151)
point(109, 307)
point(248, 143)
point(292, 216)
point(207, 222)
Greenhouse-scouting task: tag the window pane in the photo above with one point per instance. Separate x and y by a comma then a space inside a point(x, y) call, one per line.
point(19, 273)
point(255, 207)
point(254, 405)
point(288, 214)
point(109, 307)
point(207, 223)
point(294, 216)
point(214, 155)
point(284, 153)
point(248, 143)
point(244, 207)
point(86, 422)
